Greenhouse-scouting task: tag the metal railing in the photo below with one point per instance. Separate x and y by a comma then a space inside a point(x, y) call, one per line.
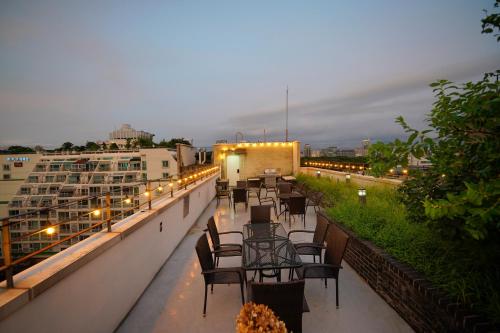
point(103, 215)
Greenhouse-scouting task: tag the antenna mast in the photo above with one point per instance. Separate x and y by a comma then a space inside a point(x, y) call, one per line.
point(286, 128)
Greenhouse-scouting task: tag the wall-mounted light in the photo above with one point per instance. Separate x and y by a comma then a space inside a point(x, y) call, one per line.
point(96, 212)
point(50, 230)
point(127, 200)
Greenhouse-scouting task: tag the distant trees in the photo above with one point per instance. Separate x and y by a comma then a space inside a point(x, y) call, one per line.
point(19, 150)
point(92, 146)
point(113, 146)
point(173, 142)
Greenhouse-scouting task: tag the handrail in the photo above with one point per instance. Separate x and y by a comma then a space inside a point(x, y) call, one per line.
point(107, 217)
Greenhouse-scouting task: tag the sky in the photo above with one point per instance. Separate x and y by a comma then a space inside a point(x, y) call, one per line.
point(204, 70)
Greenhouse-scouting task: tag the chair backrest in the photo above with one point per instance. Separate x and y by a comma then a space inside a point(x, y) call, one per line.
point(204, 254)
point(297, 205)
point(322, 225)
point(260, 214)
point(239, 195)
point(284, 187)
point(286, 299)
point(241, 184)
point(214, 233)
point(336, 243)
point(270, 180)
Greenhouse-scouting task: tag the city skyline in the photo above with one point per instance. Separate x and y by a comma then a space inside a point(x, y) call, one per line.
point(74, 72)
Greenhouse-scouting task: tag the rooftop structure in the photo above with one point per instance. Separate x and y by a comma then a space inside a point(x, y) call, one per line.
point(127, 132)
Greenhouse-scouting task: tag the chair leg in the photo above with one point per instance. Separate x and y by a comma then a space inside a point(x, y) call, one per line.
point(326, 283)
point(205, 303)
point(314, 258)
point(242, 295)
point(337, 292)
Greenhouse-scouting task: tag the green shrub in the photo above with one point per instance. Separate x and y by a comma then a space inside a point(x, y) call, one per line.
point(466, 269)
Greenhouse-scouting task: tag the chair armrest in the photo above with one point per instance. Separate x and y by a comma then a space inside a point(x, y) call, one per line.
point(308, 266)
point(231, 232)
point(301, 230)
point(316, 246)
point(227, 250)
point(225, 270)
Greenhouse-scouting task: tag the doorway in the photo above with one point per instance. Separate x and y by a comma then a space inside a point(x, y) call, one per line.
point(233, 169)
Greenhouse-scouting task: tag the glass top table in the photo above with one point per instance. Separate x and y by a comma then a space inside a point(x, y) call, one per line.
point(266, 246)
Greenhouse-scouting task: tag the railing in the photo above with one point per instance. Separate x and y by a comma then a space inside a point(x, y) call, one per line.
point(102, 215)
point(338, 166)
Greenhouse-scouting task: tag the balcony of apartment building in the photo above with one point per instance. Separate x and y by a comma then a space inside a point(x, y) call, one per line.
point(145, 276)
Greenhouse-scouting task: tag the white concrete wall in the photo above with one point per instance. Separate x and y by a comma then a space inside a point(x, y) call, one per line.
point(98, 293)
point(361, 180)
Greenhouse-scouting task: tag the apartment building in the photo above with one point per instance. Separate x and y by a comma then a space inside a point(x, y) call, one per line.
point(14, 169)
point(69, 179)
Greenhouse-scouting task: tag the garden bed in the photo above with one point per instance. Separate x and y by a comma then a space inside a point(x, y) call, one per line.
point(433, 283)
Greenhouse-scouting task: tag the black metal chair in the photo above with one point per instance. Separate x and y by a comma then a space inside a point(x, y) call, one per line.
point(315, 200)
point(260, 214)
point(241, 184)
point(315, 247)
point(296, 206)
point(214, 275)
point(220, 192)
point(336, 243)
point(270, 184)
point(266, 199)
point(283, 188)
point(222, 249)
point(240, 196)
point(286, 299)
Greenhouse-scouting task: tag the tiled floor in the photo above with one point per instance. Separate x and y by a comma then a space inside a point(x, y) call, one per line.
point(174, 300)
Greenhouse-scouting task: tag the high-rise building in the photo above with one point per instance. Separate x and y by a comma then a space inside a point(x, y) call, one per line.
point(307, 150)
point(329, 152)
point(363, 150)
point(62, 179)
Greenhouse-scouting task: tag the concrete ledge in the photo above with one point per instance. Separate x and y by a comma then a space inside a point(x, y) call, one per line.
point(32, 283)
point(355, 178)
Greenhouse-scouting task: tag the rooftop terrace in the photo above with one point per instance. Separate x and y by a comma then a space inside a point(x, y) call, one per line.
point(173, 302)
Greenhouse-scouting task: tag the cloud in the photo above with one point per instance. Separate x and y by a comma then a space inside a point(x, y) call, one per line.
point(368, 112)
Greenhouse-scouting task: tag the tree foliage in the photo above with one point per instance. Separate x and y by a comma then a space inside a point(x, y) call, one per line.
point(19, 150)
point(460, 194)
point(173, 142)
point(491, 23)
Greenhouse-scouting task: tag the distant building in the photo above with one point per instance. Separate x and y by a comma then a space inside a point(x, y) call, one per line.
point(346, 153)
point(72, 180)
point(14, 169)
point(363, 150)
point(307, 150)
point(315, 153)
point(127, 132)
point(329, 152)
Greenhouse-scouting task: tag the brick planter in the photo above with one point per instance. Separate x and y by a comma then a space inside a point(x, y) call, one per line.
point(423, 306)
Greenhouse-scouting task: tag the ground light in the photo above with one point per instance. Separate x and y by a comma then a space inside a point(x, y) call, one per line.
point(362, 196)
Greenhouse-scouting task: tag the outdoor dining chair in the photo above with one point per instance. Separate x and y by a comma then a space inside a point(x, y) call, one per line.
point(315, 247)
point(241, 184)
point(336, 243)
point(296, 206)
point(270, 184)
point(220, 192)
point(266, 199)
point(222, 249)
point(283, 188)
point(240, 196)
point(286, 299)
point(215, 275)
point(260, 214)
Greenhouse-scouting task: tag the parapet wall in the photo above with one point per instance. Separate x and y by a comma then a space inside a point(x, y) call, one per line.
point(361, 180)
point(91, 286)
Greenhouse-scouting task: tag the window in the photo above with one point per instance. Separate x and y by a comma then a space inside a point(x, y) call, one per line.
point(164, 175)
point(164, 164)
point(6, 167)
point(144, 166)
point(6, 176)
